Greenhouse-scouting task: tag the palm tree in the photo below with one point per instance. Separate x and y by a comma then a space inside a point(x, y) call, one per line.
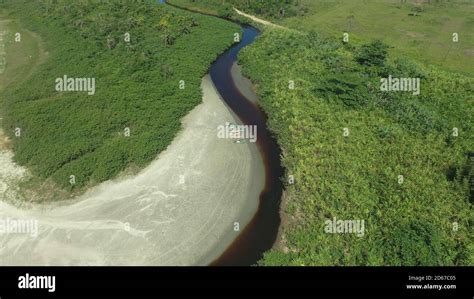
point(167, 38)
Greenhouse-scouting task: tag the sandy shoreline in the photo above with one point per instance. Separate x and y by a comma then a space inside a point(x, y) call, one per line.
point(180, 210)
point(244, 85)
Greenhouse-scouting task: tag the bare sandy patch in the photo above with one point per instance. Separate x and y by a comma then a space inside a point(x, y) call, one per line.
point(4, 141)
point(414, 34)
point(258, 20)
point(244, 85)
point(469, 52)
point(180, 210)
point(10, 176)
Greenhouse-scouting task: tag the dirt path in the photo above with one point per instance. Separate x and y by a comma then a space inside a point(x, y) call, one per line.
point(258, 20)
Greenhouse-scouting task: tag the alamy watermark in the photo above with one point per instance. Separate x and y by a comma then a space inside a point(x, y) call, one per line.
point(337, 226)
point(19, 226)
point(75, 84)
point(28, 281)
point(400, 84)
point(238, 133)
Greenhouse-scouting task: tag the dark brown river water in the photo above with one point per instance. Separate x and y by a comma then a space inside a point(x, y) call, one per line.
point(260, 234)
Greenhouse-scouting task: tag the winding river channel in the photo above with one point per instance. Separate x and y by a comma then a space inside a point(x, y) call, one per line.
point(260, 234)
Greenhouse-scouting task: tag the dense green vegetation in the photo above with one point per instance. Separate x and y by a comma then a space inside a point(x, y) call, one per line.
point(273, 9)
point(137, 84)
point(337, 86)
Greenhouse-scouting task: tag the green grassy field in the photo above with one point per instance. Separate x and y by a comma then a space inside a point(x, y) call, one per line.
point(137, 84)
point(426, 37)
point(21, 58)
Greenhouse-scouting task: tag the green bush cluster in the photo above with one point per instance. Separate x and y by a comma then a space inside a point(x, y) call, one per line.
point(357, 176)
point(137, 84)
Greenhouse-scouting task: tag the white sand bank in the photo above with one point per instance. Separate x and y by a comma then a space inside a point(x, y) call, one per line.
point(154, 218)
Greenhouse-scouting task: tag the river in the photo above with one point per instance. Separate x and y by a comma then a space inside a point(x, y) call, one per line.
point(260, 234)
